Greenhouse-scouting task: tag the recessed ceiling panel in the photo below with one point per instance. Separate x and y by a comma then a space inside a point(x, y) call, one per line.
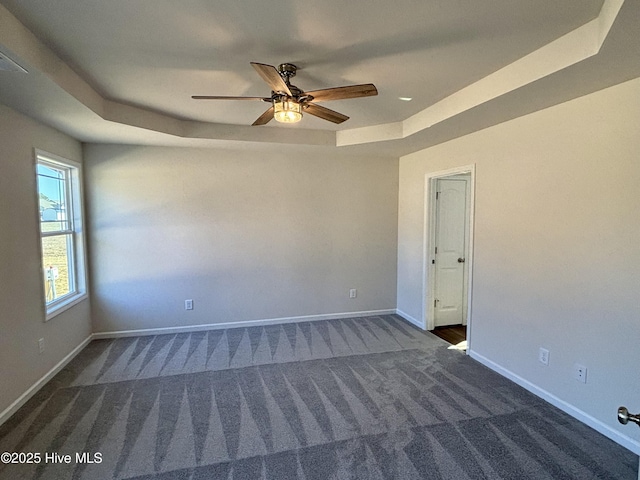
point(157, 53)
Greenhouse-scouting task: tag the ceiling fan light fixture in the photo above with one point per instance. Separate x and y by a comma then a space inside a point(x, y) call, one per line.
point(287, 110)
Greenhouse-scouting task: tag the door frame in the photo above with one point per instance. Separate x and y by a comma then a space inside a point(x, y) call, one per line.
point(428, 287)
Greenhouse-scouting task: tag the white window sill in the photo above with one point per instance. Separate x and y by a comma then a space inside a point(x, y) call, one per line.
point(57, 309)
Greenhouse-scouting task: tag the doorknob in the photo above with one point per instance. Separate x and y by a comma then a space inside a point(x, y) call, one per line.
point(625, 417)
point(461, 260)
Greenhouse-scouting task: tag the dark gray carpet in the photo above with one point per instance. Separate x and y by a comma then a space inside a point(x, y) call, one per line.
point(362, 398)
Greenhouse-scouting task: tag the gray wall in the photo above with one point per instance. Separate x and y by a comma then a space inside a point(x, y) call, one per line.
point(22, 310)
point(557, 248)
point(246, 235)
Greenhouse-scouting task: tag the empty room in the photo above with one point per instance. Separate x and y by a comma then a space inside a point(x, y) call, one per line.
point(319, 240)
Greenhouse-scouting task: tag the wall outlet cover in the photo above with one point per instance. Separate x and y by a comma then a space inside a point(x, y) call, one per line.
point(580, 373)
point(543, 356)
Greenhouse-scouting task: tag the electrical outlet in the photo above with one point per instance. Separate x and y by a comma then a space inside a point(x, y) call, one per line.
point(188, 304)
point(580, 373)
point(353, 293)
point(543, 356)
point(41, 345)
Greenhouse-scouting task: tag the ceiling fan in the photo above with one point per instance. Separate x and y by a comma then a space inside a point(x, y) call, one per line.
point(288, 101)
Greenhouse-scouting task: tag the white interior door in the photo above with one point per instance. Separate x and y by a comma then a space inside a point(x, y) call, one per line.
point(450, 251)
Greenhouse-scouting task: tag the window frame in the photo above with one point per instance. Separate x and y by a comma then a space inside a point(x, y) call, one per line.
point(74, 229)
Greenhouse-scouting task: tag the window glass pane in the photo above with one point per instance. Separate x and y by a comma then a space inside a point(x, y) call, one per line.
point(52, 192)
point(61, 237)
point(57, 263)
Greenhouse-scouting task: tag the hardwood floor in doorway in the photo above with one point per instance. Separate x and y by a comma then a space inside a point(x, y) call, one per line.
point(453, 334)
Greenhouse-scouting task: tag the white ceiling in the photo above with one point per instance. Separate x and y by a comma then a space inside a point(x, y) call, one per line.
point(152, 55)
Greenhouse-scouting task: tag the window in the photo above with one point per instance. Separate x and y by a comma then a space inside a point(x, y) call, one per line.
point(60, 213)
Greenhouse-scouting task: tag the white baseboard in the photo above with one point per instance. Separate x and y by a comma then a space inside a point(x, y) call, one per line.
point(576, 413)
point(24, 398)
point(410, 319)
point(245, 323)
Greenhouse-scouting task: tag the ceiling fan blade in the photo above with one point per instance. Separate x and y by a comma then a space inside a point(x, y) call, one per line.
point(264, 118)
point(270, 75)
point(324, 113)
point(218, 97)
point(341, 93)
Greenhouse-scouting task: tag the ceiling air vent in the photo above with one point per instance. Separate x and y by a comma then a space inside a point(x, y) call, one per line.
point(8, 65)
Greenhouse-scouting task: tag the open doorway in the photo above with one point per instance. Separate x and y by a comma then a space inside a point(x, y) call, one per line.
point(449, 219)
